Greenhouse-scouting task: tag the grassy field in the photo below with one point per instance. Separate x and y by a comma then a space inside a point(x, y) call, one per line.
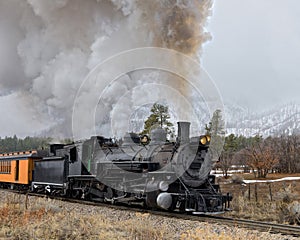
point(275, 202)
point(42, 218)
point(24, 217)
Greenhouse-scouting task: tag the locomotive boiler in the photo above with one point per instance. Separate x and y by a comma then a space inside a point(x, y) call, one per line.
point(156, 173)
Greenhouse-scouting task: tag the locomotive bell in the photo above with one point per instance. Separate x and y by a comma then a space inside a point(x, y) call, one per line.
point(183, 132)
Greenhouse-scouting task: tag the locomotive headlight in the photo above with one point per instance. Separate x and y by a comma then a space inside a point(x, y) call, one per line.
point(163, 186)
point(203, 140)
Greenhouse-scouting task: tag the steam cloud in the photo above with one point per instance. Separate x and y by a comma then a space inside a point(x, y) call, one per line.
point(48, 47)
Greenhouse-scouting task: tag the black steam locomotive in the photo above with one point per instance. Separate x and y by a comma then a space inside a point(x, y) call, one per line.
point(156, 174)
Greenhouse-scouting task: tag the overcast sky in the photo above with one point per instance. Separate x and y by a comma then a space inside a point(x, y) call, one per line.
point(254, 57)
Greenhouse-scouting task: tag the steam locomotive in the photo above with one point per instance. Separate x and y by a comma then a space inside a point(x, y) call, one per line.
point(158, 174)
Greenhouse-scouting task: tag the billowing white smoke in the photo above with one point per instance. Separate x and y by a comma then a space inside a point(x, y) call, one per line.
point(51, 45)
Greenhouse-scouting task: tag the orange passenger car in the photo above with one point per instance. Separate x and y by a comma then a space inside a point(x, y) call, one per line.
point(17, 168)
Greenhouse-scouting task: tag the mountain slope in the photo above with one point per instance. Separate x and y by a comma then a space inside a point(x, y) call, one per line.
point(281, 120)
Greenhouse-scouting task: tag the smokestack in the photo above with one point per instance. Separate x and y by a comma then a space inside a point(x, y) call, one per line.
point(183, 132)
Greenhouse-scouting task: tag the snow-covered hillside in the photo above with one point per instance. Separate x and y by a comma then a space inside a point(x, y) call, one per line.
point(281, 120)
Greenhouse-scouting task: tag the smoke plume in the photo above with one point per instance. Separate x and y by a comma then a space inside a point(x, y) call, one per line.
point(48, 47)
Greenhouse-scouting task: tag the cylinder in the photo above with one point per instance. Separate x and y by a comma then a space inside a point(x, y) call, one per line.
point(164, 200)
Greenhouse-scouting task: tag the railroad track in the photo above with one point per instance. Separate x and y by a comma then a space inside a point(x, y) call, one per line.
point(256, 225)
point(242, 223)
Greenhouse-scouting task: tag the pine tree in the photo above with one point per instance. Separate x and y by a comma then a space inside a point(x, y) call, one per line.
point(216, 125)
point(159, 118)
point(216, 129)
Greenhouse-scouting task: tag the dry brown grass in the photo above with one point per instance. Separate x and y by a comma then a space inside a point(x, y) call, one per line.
point(45, 220)
point(273, 202)
point(234, 233)
point(42, 218)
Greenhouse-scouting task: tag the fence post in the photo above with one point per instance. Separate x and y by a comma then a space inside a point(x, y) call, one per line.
point(249, 192)
point(26, 201)
point(270, 190)
point(255, 191)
